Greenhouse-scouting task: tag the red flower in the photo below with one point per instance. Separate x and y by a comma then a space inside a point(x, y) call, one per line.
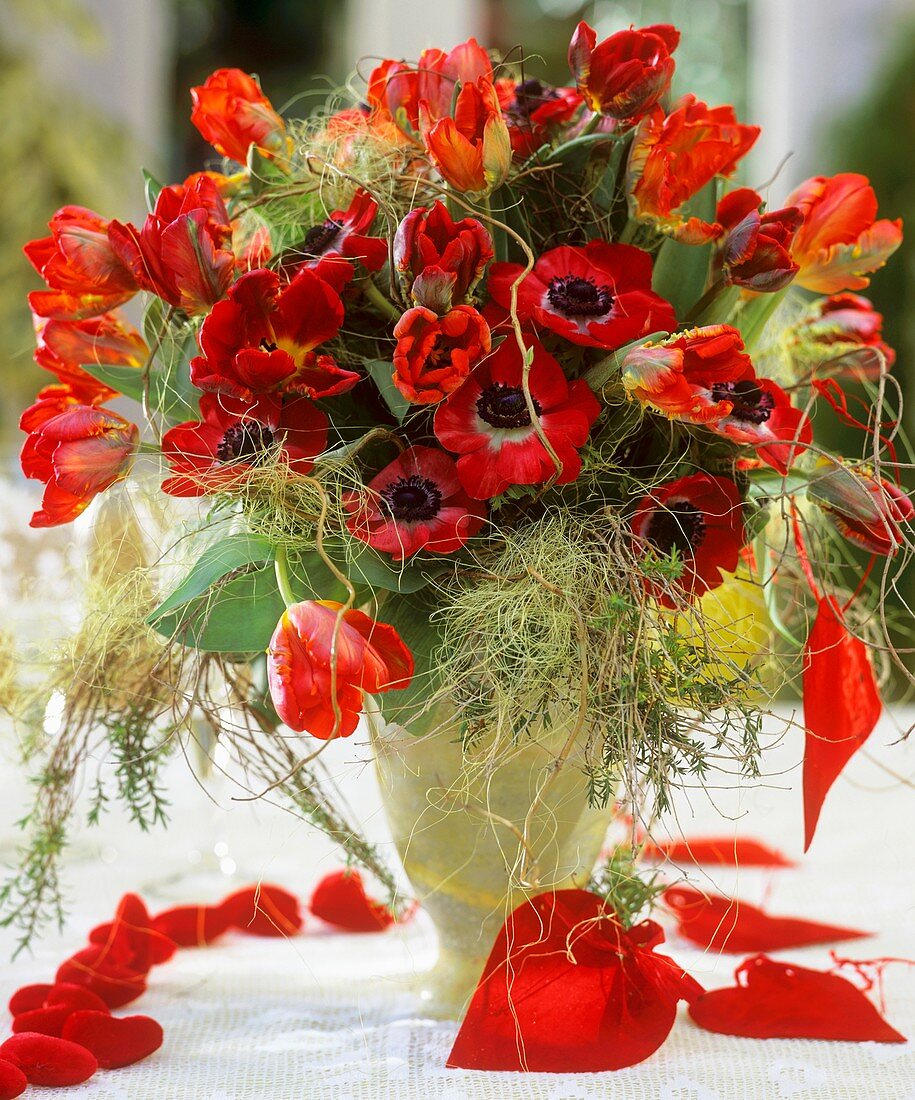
point(599, 295)
point(487, 422)
point(181, 252)
point(262, 339)
point(415, 503)
point(762, 416)
point(84, 274)
point(844, 334)
point(756, 253)
point(534, 111)
point(675, 156)
point(218, 453)
point(344, 234)
point(625, 75)
point(321, 655)
point(232, 114)
point(698, 517)
point(63, 346)
point(840, 242)
point(434, 354)
point(472, 150)
point(865, 508)
point(440, 261)
point(78, 450)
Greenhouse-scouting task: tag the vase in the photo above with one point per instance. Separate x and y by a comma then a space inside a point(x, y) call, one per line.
point(481, 828)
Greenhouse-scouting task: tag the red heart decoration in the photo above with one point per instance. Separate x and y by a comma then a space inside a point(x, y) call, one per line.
point(192, 925)
point(115, 1041)
point(263, 911)
point(725, 851)
point(132, 938)
point(13, 1082)
point(93, 967)
point(48, 1061)
point(28, 998)
point(719, 924)
point(43, 1021)
point(340, 899)
point(775, 1000)
point(568, 989)
point(74, 997)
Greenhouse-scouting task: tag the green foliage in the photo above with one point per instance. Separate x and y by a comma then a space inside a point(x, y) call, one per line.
point(630, 891)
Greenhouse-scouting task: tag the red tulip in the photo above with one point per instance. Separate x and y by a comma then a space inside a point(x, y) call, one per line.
point(867, 509)
point(440, 261)
point(472, 150)
point(434, 354)
point(842, 336)
point(64, 346)
point(232, 114)
point(756, 253)
point(625, 75)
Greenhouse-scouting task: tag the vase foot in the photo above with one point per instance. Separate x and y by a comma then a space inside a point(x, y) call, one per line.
point(445, 990)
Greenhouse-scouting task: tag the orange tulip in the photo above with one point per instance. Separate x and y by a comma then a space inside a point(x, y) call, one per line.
point(472, 150)
point(232, 113)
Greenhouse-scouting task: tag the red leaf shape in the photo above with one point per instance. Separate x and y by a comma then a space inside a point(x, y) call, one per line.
point(13, 1082)
point(192, 925)
point(94, 968)
point(48, 1061)
point(567, 989)
point(43, 1021)
point(775, 1000)
point(74, 997)
point(340, 899)
point(131, 937)
point(720, 924)
point(28, 997)
point(725, 851)
point(841, 705)
point(263, 911)
point(114, 1041)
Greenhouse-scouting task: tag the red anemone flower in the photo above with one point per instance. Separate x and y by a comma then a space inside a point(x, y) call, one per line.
point(756, 253)
point(674, 156)
point(472, 150)
point(434, 354)
point(625, 75)
point(65, 346)
point(219, 452)
point(84, 274)
point(761, 415)
point(698, 517)
point(534, 112)
point(263, 339)
point(415, 503)
point(840, 242)
point(843, 335)
point(440, 261)
point(322, 659)
point(182, 253)
point(599, 295)
point(344, 233)
point(488, 424)
point(232, 114)
point(866, 509)
point(78, 450)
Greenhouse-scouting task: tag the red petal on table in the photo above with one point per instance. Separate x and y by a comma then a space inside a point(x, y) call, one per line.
point(340, 899)
point(725, 851)
point(841, 705)
point(13, 1082)
point(74, 997)
point(192, 925)
point(93, 968)
point(28, 997)
point(720, 924)
point(775, 1000)
point(263, 911)
point(114, 1041)
point(43, 1021)
point(132, 938)
point(567, 989)
point(48, 1061)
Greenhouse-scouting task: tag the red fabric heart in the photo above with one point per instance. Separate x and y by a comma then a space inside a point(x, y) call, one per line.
point(94, 968)
point(263, 910)
point(13, 1082)
point(567, 989)
point(28, 997)
point(114, 1041)
point(725, 851)
point(43, 1021)
point(74, 997)
point(841, 705)
point(775, 1000)
point(192, 925)
point(720, 924)
point(48, 1061)
point(340, 899)
point(132, 938)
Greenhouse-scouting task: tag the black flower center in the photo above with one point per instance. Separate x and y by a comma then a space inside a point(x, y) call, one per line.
point(529, 95)
point(246, 441)
point(504, 406)
point(577, 297)
point(321, 236)
point(752, 404)
point(411, 498)
point(678, 526)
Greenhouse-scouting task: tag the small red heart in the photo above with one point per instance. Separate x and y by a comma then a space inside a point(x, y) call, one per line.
point(13, 1082)
point(340, 899)
point(43, 1021)
point(263, 910)
point(94, 968)
point(28, 998)
point(132, 937)
point(192, 925)
point(46, 1060)
point(115, 1041)
point(74, 997)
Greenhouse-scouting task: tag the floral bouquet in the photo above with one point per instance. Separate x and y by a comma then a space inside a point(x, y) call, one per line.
point(482, 410)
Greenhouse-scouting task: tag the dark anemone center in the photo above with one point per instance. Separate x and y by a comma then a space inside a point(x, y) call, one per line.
point(411, 498)
point(504, 406)
point(321, 236)
point(246, 441)
point(577, 297)
point(679, 526)
point(751, 403)
point(529, 95)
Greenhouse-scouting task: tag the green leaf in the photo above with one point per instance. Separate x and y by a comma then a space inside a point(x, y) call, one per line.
point(411, 617)
point(152, 187)
point(381, 371)
point(681, 270)
point(365, 566)
point(770, 483)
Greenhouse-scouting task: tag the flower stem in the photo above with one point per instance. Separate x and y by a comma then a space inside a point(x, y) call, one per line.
point(281, 568)
point(379, 301)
